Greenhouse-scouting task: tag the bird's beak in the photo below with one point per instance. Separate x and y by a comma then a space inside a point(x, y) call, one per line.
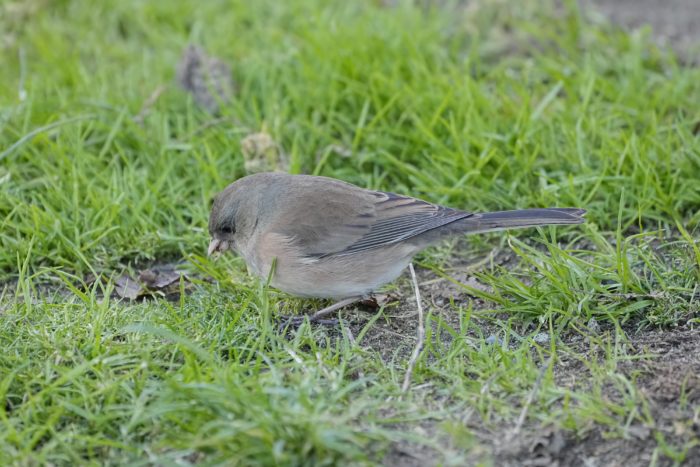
point(217, 246)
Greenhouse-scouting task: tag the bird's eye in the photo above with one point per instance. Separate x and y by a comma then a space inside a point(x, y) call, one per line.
point(228, 230)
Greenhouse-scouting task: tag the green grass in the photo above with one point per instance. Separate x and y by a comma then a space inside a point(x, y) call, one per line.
point(477, 108)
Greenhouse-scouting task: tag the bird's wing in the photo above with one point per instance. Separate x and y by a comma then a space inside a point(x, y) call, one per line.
point(343, 219)
point(398, 218)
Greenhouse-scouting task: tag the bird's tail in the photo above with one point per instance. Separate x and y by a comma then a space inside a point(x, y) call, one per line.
point(502, 220)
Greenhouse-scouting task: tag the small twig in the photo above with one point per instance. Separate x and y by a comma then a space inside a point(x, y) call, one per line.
point(394, 333)
point(353, 342)
point(149, 103)
point(530, 398)
point(421, 334)
point(349, 335)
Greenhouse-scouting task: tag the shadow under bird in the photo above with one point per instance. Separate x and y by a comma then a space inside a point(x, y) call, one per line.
point(331, 239)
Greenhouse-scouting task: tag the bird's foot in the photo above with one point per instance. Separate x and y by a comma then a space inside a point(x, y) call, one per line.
point(293, 322)
point(378, 300)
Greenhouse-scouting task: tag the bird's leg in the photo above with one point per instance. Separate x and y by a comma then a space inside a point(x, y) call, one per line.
point(330, 309)
point(317, 317)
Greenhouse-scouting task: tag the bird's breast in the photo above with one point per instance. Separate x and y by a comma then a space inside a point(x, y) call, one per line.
point(331, 276)
point(340, 276)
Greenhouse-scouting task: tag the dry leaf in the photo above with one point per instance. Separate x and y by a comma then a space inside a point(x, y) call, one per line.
point(639, 431)
point(163, 281)
point(549, 444)
point(207, 78)
point(262, 154)
point(593, 326)
point(159, 279)
point(126, 287)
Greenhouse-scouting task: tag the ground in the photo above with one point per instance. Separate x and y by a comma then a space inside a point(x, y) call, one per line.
point(124, 344)
point(674, 24)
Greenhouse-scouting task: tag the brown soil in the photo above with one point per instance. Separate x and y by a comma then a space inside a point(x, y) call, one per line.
point(674, 23)
point(667, 373)
point(668, 378)
point(665, 365)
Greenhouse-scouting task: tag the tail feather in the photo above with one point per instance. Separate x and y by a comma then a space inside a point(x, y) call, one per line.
point(501, 220)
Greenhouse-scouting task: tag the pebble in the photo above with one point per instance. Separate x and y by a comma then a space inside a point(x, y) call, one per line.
point(492, 339)
point(541, 338)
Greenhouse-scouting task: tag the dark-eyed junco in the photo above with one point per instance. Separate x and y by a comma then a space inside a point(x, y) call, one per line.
point(331, 239)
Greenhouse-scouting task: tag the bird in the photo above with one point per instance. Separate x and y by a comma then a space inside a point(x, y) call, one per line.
point(320, 237)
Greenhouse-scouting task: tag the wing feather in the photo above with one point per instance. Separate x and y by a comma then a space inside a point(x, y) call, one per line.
point(334, 218)
point(398, 218)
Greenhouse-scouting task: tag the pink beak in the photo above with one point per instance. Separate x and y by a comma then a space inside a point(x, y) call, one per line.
point(217, 246)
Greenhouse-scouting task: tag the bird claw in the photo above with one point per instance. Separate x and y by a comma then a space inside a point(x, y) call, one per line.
point(375, 301)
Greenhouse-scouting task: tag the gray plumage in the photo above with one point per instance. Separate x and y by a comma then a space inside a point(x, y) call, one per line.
point(334, 239)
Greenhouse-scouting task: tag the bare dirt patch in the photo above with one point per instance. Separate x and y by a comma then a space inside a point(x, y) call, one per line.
point(663, 365)
point(674, 23)
point(666, 373)
point(393, 334)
